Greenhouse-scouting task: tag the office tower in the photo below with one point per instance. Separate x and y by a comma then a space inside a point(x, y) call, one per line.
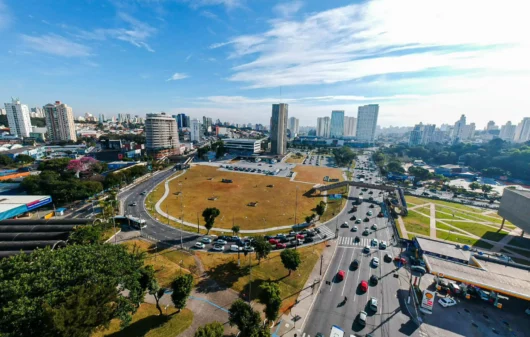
point(522, 132)
point(421, 134)
point(467, 131)
point(491, 126)
point(60, 122)
point(457, 129)
point(195, 130)
point(128, 118)
point(350, 126)
point(18, 118)
point(279, 128)
point(323, 124)
point(161, 135)
point(36, 113)
point(102, 118)
point(293, 126)
point(207, 124)
point(337, 124)
point(507, 131)
point(367, 122)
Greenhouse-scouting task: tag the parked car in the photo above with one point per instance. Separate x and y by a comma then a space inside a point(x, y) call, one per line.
point(220, 242)
point(354, 229)
point(234, 238)
point(199, 245)
point(374, 242)
point(273, 241)
point(375, 261)
point(363, 286)
point(344, 225)
point(371, 206)
point(374, 227)
point(388, 257)
point(366, 249)
point(366, 232)
point(373, 304)
point(374, 280)
point(340, 275)
point(281, 246)
point(249, 249)
point(382, 245)
point(206, 240)
point(369, 213)
point(219, 248)
point(400, 259)
point(446, 302)
point(235, 248)
point(362, 318)
point(354, 264)
point(353, 217)
point(308, 240)
point(358, 221)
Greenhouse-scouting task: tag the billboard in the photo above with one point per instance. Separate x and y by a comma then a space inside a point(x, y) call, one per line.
point(427, 301)
point(38, 203)
point(335, 196)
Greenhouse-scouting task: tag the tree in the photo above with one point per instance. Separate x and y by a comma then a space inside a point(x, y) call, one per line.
point(270, 296)
point(150, 282)
point(486, 188)
point(214, 329)
point(244, 317)
point(474, 186)
point(308, 219)
point(57, 165)
point(262, 248)
point(419, 173)
point(81, 165)
point(69, 291)
point(209, 215)
point(24, 159)
point(321, 207)
point(261, 331)
point(181, 287)
point(395, 167)
point(235, 229)
point(290, 259)
point(5, 160)
point(86, 235)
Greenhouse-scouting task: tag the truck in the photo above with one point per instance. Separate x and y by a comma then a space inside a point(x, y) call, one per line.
point(336, 331)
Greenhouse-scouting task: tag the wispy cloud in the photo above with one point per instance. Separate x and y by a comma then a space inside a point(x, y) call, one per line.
point(209, 15)
point(5, 15)
point(177, 76)
point(188, 57)
point(382, 37)
point(234, 100)
point(288, 8)
point(228, 4)
point(55, 45)
point(136, 33)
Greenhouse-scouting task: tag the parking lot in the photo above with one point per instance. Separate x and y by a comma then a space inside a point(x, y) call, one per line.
point(319, 160)
point(243, 166)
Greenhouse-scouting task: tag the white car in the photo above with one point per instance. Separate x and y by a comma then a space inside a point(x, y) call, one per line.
point(382, 245)
point(199, 245)
point(206, 240)
point(374, 227)
point(219, 248)
point(446, 302)
point(355, 229)
point(366, 249)
point(220, 242)
point(236, 248)
point(375, 261)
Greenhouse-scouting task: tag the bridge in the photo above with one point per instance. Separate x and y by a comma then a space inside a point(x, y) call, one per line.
point(400, 196)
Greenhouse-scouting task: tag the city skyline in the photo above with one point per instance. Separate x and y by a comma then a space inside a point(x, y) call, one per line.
point(142, 57)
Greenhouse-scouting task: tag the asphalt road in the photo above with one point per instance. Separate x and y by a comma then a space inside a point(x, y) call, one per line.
point(332, 308)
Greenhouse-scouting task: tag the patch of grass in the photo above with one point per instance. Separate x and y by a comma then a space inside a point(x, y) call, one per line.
point(417, 223)
point(293, 159)
point(316, 174)
point(440, 225)
point(483, 231)
point(108, 233)
point(223, 268)
point(166, 263)
point(275, 205)
point(334, 206)
point(146, 322)
point(416, 200)
point(463, 240)
point(520, 242)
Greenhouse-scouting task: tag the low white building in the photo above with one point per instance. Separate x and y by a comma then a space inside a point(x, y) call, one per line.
point(244, 145)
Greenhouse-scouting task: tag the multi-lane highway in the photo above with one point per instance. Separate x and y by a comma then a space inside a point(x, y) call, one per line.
point(341, 300)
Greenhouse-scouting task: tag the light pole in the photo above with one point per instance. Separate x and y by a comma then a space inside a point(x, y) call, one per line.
point(182, 215)
point(296, 205)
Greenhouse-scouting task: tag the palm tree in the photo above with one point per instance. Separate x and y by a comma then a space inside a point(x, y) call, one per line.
point(236, 229)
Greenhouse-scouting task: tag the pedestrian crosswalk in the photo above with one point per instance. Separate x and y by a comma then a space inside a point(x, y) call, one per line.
point(350, 241)
point(325, 232)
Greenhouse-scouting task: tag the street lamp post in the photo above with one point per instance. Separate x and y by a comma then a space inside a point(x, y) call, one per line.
point(182, 215)
point(296, 205)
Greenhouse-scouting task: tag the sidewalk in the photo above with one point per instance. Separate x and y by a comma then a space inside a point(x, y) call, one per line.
point(292, 323)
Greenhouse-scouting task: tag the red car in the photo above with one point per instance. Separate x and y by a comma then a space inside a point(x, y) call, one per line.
point(400, 259)
point(340, 275)
point(299, 236)
point(281, 246)
point(364, 286)
point(273, 241)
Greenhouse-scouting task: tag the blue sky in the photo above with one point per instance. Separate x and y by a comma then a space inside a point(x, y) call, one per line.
point(421, 60)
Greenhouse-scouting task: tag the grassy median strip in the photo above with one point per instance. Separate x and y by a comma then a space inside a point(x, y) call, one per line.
point(417, 223)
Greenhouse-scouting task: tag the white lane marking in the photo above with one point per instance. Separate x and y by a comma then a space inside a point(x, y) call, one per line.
point(303, 335)
point(347, 274)
point(332, 283)
point(358, 272)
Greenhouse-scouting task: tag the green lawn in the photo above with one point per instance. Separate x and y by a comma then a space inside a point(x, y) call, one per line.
point(520, 242)
point(440, 215)
point(334, 206)
point(483, 231)
point(146, 322)
point(463, 240)
point(417, 223)
point(443, 226)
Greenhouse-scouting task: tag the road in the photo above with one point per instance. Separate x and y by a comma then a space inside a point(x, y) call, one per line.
point(331, 308)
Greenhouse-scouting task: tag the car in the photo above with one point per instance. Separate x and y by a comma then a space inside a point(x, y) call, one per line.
point(234, 238)
point(374, 242)
point(143, 193)
point(220, 242)
point(353, 217)
point(317, 230)
point(311, 234)
point(235, 248)
point(374, 280)
point(206, 240)
point(382, 245)
point(400, 260)
point(357, 239)
point(371, 206)
point(133, 204)
point(388, 257)
point(446, 302)
point(371, 192)
point(274, 241)
point(371, 199)
point(354, 229)
point(358, 221)
point(380, 215)
point(366, 249)
point(363, 286)
point(354, 264)
point(281, 246)
point(366, 219)
point(219, 248)
point(362, 318)
point(299, 236)
point(366, 232)
point(308, 240)
point(361, 193)
point(373, 304)
point(224, 237)
point(199, 245)
point(249, 249)
point(374, 227)
point(375, 262)
point(369, 213)
point(340, 275)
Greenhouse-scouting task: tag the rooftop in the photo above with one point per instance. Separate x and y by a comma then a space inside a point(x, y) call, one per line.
point(241, 140)
point(450, 166)
point(443, 248)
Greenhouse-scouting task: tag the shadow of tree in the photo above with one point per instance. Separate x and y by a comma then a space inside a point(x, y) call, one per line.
point(142, 327)
point(225, 275)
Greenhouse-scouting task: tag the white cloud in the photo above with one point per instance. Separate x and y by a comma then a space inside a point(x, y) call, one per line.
point(355, 41)
point(288, 8)
point(177, 76)
point(188, 57)
point(228, 4)
point(228, 100)
point(55, 45)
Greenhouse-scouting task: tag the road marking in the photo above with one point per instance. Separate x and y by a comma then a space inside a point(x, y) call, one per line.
point(332, 283)
point(347, 274)
point(357, 281)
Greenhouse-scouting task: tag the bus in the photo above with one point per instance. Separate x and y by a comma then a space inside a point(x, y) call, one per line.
point(336, 331)
point(131, 221)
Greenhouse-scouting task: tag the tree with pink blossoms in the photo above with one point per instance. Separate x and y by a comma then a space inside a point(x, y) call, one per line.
point(82, 165)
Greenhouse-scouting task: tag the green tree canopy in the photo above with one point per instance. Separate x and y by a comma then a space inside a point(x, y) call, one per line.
point(24, 159)
point(209, 214)
point(57, 165)
point(70, 291)
point(343, 156)
point(420, 173)
point(395, 167)
point(262, 248)
point(214, 329)
point(181, 287)
point(270, 296)
point(290, 259)
point(5, 160)
point(244, 317)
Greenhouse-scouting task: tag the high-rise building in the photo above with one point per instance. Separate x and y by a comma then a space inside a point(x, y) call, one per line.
point(36, 113)
point(323, 125)
point(128, 118)
point(102, 118)
point(59, 122)
point(467, 131)
point(421, 134)
point(457, 129)
point(367, 122)
point(279, 128)
point(120, 118)
point(293, 126)
point(350, 126)
point(522, 132)
point(507, 131)
point(195, 130)
point(207, 123)
point(18, 118)
point(161, 135)
point(491, 126)
point(337, 124)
